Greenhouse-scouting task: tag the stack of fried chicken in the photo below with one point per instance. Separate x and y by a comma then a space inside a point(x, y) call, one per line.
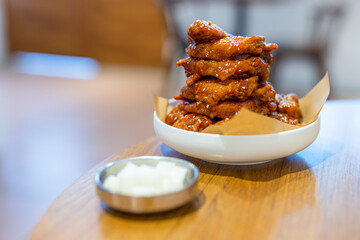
point(226, 73)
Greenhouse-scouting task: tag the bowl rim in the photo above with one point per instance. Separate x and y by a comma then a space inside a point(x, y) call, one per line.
point(188, 164)
point(236, 136)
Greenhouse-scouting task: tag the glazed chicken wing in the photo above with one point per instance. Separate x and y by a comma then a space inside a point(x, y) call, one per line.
point(284, 118)
point(264, 92)
point(193, 122)
point(288, 104)
point(227, 47)
point(211, 91)
point(188, 121)
point(224, 69)
point(225, 109)
point(174, 115)
point(201, 31)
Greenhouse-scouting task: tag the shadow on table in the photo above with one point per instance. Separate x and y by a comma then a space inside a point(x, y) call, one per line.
point(303, 161)
point(188, 208)
point(271, 191)
point(257, 182)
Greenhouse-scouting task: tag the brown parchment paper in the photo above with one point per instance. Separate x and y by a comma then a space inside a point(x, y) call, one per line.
point(246, 122)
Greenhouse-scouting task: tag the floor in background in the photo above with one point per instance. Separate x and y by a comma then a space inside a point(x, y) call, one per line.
point(55, 129)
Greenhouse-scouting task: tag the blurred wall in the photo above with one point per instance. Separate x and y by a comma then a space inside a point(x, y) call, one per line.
point(121, 31)
point(130, 32)
point(342, 62)
point(3, 48)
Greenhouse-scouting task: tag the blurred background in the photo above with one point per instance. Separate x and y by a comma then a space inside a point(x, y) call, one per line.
point(76, 77)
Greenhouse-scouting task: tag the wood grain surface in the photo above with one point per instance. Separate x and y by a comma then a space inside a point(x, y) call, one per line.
point(314, 194)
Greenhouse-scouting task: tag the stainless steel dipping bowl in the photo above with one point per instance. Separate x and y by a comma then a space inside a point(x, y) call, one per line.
point(147, 204)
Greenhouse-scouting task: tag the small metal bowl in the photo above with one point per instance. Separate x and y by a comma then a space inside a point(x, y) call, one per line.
point(146, 204)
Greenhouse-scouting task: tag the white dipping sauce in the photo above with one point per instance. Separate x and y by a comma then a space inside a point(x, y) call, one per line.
point(146, 180)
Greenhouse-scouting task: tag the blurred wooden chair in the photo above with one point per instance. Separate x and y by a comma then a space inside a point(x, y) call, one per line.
point(323, 32)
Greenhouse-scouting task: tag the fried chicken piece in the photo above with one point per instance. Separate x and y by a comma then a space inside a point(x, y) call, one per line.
point(192, 79)
point(193, 122)
point(201, 31)
point(227, 47)
point(272, 106)
point(224, 69)
point(288, 104)
point(174, 115)
point(264, 92)
point(223, 110)
point(225, 74)
point(265, 55)
point(284, 118)
point(211, 91)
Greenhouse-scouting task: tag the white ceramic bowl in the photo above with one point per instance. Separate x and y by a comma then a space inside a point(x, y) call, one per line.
point(236, 149)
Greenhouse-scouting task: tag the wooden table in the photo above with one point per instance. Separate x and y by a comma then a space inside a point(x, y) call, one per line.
point(314, 194)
